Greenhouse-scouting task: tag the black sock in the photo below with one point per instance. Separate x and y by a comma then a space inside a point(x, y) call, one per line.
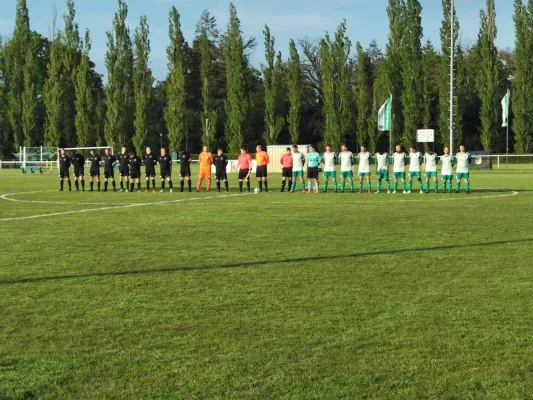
point(83, 184)
point(77, 185)
point(283, 185)
point(162, 185)
point(182, 184)
point(61, 184)
point(69, 185)
point(248, 185)
point(226, 185)
point(190, 185)
point(105, 185)
point(113, 183)
point(98, 184)
point(260, 185)
point(170, 184)
point(218, 185)
point(153, 184)
point(240, 186)
point(91, 184)
point(139, 185)
point(121, 185)
point(132, 185)
point(266, 185)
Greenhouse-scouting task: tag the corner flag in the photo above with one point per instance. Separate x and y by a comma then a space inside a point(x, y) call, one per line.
point(384, 116)
point(505, 109)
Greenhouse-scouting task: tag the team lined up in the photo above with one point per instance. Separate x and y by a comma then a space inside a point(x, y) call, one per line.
point(293, 163)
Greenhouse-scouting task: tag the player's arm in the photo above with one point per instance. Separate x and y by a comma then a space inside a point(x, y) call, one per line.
point(469, 159)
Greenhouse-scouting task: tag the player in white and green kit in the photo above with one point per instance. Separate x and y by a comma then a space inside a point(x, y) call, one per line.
point(330, 159)
point(346, 161)
point(364, 158)
point(398, 168)
point(463, 169)
point(446, 171)
point(298, 161)
point(430, 159)
point(382, 169)
point(415, 160)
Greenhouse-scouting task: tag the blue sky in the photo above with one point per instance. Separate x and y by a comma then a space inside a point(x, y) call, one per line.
point(287, 19)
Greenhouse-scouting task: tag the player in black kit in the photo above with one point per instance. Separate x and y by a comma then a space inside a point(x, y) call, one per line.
point(78, 161)
point(94, 172)
point(109, 165)
point(221, 162)
point(64, 165)
point(123, 170)
point(149, 160)
point(185, 169)
point(134, 164)
point(165, 164)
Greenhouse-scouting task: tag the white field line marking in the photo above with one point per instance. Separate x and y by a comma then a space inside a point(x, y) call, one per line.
point(109, 208)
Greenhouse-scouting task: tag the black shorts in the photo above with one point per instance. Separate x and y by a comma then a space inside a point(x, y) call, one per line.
point(165, 174)
point(185, 172)
point(261, 171)
point(124, 171)
point(149, 172)
point(286, 173)
point(221, 175)
point(109, 173)
point(243, 173)
point(79, 172)
point(312, 173)
point(135, 174)
point(64, 173)
point(94, 172)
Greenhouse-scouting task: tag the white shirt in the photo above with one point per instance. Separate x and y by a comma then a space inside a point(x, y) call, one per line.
point(463, 163)
point(382, 161)
point(431, 162)
point(297, 162)
point(329, 161)
point(346, 161)
point(414, 162)
point(446, 165)
point(364, 162)
point(398, 162)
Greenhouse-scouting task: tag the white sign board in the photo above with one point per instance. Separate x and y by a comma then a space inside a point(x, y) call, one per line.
point(425, 135)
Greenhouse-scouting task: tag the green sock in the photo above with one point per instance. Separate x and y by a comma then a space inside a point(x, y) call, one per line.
point(467, 186)
point(444, 186)
point(293, 186)
point(457, 186)
point(420, 184)
point(388, 185)
point(436, 185)
point(369, 186)
point(325, 185)
point(403, 186)
point(343, 185)
point(410, 185)
point(379, 185)
point(395, 186)
point(360, 186)
point(335, 185)
point(427, 186)
point(302, 184)
point(351, 186)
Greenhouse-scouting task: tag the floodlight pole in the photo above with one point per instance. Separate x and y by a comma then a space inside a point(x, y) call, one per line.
point(452, 51)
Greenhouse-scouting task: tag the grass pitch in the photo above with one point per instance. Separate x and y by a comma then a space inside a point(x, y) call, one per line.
point(291, 296)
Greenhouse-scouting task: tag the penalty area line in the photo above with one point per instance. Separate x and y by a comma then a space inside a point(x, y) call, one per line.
point(111, 207)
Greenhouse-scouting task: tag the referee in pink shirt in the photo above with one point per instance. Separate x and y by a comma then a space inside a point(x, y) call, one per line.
point(244, 163)
point(286, 172)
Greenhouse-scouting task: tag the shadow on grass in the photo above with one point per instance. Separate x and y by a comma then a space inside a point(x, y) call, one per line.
point(260, 263)
point(474, 190)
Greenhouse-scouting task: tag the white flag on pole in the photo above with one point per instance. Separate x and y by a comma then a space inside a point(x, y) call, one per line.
point(385, 116)
point(505, 109)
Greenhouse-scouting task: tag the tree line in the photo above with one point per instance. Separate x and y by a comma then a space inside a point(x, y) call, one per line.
point(326, 90)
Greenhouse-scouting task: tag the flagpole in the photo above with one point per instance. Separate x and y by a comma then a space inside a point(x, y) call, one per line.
point(507, 141)
point(390, 131)
point(452, 48)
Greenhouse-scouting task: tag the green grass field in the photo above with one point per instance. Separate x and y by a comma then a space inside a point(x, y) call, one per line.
point(286, 296)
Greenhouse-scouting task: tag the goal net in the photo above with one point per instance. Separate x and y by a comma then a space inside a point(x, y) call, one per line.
point(86, 152)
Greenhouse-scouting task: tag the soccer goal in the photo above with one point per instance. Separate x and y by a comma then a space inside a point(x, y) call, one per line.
point(86, 151)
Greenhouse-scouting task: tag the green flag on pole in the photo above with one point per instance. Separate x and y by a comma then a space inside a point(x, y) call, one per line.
point(505, 109)
point(385, 116)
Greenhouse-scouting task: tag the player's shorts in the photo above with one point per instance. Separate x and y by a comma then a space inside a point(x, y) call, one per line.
point(165, 174)
point(399, 175)
point(109, 173)
point(432, 174)
point(64, 173)
point(346, 174)
point(364, 174)
point(185, 172)
point(221, 175)
point(135, 174)
point(312, 173)
point(383, 174)
point(243, 173)
point(297, 174)
point(149, 172)
point(94, 172)
point(205, 173)
point(79, 172)
point(286, 172)
point(414, 174)
point(330, 174)
point(462, 175)
point(261, 171)
point(124, 172)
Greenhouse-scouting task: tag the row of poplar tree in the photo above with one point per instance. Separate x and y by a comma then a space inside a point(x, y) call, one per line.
point(327, 90)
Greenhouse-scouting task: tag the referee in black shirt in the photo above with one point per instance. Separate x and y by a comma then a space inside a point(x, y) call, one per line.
point(150, 160)
point(94, 172)
point(123, 170)
point(109, 166)
point(134, 164)
point(221, 162)
point(165, 165)
point(79, 170)
point(185, 169)
point(64, 165)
